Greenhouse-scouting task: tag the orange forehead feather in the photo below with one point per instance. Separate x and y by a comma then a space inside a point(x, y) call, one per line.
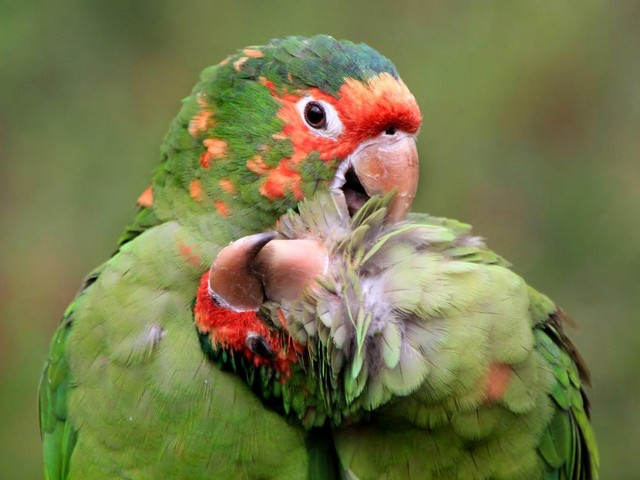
point(368, 109)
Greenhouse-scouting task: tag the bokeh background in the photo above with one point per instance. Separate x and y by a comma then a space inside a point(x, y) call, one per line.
point(531, 132)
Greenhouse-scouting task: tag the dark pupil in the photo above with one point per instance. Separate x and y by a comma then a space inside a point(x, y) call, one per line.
point(314, 113)
point(260, 347)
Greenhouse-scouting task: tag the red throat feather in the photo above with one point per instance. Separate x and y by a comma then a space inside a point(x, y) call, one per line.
point(229, 330)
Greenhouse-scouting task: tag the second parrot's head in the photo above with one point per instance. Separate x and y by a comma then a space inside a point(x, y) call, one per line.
point(271, 125)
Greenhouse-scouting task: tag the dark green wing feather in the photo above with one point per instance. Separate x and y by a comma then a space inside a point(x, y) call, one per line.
point(568, 445)
point(58, 435)
point(323, 458)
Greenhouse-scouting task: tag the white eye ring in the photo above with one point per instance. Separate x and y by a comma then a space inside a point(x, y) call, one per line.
point(333, 126)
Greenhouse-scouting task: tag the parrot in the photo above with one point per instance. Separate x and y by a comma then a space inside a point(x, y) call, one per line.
point(201, 347)
point(432, 359)
point(130, 387)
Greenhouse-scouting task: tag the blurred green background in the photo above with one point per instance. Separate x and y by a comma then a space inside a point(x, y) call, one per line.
point(531, 132)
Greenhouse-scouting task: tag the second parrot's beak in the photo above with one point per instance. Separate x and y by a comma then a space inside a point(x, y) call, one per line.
point(388, 162)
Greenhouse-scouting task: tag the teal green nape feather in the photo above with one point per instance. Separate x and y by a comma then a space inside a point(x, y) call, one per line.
point(437, 360)
point(306, 61)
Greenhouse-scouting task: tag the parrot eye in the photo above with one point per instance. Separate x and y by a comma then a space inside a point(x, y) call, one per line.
point(321, 118)
point(258, 345)
point(314, 115)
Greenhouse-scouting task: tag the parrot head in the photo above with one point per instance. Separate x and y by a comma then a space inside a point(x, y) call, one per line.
point(271, 125)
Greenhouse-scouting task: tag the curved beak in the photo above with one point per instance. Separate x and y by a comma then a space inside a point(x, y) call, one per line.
point(384, 164)
point(232, 283)
point(288, 266)
point(248, 268)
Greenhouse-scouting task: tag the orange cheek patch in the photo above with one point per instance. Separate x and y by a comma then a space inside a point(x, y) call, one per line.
point(205, 160)
point(497, 380)
point(252, 53)
point(270, 85)
point(227, 186)
point(146, 198)
point(196, 191)
point(257, 165)
point(200, 122)
point(216, 148)
point(222, 208)
point(237, 65)
point(281, 179)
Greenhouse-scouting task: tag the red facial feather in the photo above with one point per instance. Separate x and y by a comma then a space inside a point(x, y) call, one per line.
point(229, 330)
point(281, 179)
point(365, 109)
point(369, 109)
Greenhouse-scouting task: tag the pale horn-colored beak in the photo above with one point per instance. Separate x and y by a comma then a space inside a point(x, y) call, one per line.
point(250, 267)
point(243, 270)
point(232, 282)
point(386, 163)
point(287, 267)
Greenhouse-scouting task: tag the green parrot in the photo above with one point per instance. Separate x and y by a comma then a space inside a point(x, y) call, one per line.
point(187, 356)
point(135, 386)
point(432, 359)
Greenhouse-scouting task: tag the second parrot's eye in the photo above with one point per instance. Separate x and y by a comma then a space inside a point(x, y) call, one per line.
point(315, 115)
point(259, 346)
